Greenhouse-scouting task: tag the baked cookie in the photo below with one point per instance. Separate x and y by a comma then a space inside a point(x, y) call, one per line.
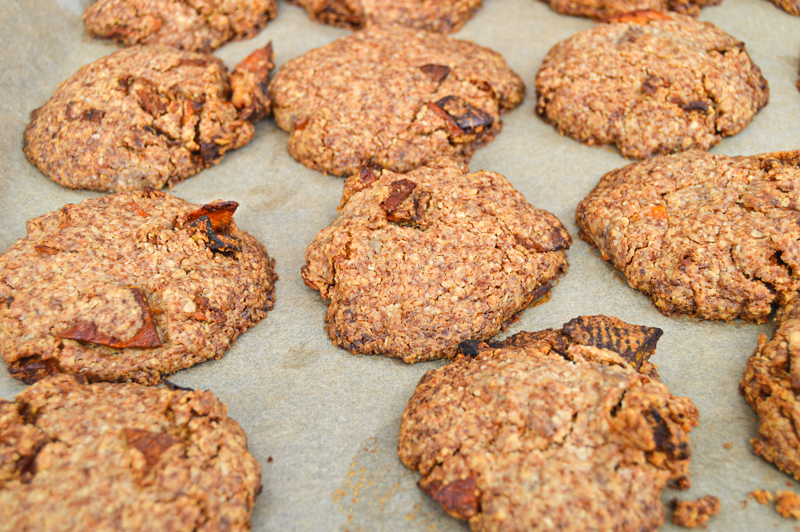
point(444, 16)
point(416, 263)
point(147, 116)
point(199, 25)
point(554, 430)
point(122, 457)
point(770, 384)
point(702, 235)
point(651, 83)
point(128, 287)
point(392, 97)
point(602, 9)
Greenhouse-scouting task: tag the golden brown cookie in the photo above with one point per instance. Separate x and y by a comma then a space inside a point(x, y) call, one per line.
point(553, 430)
point(416, 263)
point(702, 235)
point(199, 25)
point(147, 116)
point(444, 16)
point(128, 287)
point(770, 384)
point(122, 457)
point(651, 83)
point(392, 97)
point(603, 9)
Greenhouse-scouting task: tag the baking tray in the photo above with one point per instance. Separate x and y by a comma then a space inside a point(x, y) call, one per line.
point(323, 423)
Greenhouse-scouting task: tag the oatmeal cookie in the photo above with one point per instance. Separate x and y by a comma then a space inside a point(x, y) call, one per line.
point(392, 97)
point(770, 384)
point(651, 83)
point(702, 235)
point(554, 430)
point(122, 457)
point(196, 25)
point(128, 287)
point(603, 9)
point(444, 16)
point(416, 263)
point(147, 116)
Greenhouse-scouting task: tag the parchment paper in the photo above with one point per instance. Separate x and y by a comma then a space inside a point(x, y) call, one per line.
point(329, 420)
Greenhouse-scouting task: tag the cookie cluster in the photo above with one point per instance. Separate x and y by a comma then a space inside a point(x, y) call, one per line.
point(569, 429)
point(714, 237)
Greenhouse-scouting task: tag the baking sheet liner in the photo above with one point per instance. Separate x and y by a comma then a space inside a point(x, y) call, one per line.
point(323, 423)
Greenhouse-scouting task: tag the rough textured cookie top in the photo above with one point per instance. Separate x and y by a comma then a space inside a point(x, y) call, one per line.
point(128, 287)
point(445, 16)
point(651, 83)
point(147, 116)
point(602, 9)
point(552, 430)
point(392, 98)
point(416, 263)
point(199, 25)
point(771, 384)
point(122, 457)
point(703, 235)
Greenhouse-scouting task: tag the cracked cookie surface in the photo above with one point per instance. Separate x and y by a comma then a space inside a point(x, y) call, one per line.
point(651, 83)
point(444, 16)
point(196, 25)
point(392, 97)
point(128, 287)
point(770, 384)
point(602, 9)
point(416, 263)
point(702, 235)
point(122, 457)
point(147, 116)
point(552, 430)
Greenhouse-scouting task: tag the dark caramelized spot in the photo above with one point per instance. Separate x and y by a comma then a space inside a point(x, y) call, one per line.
point(406, 204)
point(172, 386)
point(399, 191)
point(151, 444)
point(437, 73)
point(697, 106)
point(205, 312)
point(33, 368)
point(635, 343)
point(467, 117)
point(215, 241)
point(46, 250)
point(663, 437)
point(367, 176)
point(220, 214)
point(458, 498)
point(147, 337)
point(470, 348)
